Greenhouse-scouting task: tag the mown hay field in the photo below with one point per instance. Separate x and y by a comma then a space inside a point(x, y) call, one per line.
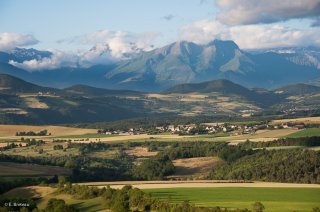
point(274, 199)
point(10, 130)
point(306, 120)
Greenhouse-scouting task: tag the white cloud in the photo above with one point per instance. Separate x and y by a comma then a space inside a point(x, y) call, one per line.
point(58, 59)
point(269, 36)
point(10, 40)
point(204, 31)
point(234, 12)
point(108, 46)
point(250, 36)
point(120, 43)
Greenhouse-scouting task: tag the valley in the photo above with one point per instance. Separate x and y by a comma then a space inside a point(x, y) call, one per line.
point(207, 170)
point(84, 104)
point(160, 106)
point(211, 138)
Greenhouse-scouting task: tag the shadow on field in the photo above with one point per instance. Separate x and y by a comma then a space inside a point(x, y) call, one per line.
point(166, 195)
point(83, 207)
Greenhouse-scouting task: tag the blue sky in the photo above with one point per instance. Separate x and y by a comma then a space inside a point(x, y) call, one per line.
point(88, 32)
point(53, 20)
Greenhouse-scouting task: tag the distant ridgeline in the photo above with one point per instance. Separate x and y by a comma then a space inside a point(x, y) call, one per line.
point(178, 63)
point(27, 103)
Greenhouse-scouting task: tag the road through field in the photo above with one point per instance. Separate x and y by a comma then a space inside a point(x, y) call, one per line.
point(199, 184)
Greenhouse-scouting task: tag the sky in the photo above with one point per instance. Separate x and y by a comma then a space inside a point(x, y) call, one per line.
point(54, 20)
point(79, 30)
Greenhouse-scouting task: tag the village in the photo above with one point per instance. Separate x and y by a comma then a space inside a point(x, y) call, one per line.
point(204, 128)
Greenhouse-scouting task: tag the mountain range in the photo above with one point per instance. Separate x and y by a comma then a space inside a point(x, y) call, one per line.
point(178, 63)
point(25, 102)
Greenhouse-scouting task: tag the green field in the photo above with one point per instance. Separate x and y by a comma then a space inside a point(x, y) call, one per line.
point(274, 199)
point(305, 133)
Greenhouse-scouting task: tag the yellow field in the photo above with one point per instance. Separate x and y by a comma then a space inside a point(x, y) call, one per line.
point(17, 143)
point(29, 192)
point(194, 167)
point(261, 135)
point(140, 152)
point(10, 130)
point(33, 102)
point(135, 137)
point(306, 120)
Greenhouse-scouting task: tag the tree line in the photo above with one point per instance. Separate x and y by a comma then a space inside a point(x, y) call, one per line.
point(291, 166)
point(305, 141)
point(32, 133)
point(133, 199)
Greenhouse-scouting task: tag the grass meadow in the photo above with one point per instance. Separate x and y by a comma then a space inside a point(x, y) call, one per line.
point(305, 133)
point(274, 199)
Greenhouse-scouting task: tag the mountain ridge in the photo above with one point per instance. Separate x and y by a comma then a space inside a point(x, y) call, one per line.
point(178, 63)
point(24, 102)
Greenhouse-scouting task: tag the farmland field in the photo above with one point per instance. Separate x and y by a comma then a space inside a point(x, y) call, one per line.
point(160, 184)
point(7, 132)
point(306, 120)
point(305, 133)
point(8, 169)
point(195, 167)
point(47, 148)
point(87, 136)
point(10, 130)
point(274, 199)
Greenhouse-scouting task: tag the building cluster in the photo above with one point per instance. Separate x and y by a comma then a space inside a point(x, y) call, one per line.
point(131, 131)
point(209, 128)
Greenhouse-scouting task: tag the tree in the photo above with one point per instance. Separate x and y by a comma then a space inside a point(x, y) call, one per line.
point(258, 207)
point(59, 205)
point(120, 201)
point(62, 181)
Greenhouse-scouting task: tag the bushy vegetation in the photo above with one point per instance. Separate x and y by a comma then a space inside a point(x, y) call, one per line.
point(9, 146)
point(133, 199)
point(305, 141)
point(32, 133)
point(57, 205)
point(29, 142)
point(155, 168)
point(205, 149)
point(294, 166)
point(84, 168)
point(58, 147)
